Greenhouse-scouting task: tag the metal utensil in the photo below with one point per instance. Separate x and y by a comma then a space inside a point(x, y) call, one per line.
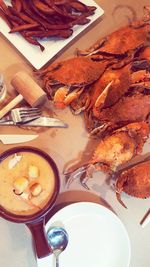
point(25, 114)
point(40, 122)
point(58, 241)
point(28, 89)
point(22, 115)
point(16, 138)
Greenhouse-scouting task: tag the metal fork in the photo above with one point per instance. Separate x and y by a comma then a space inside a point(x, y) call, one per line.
point(24, 114)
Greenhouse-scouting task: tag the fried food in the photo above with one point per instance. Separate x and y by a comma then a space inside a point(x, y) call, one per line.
point(44, 19)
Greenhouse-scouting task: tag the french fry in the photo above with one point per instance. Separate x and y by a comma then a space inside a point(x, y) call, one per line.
point(3, 5)
point(33, 41)
point(43, 7)
point(24, 27)
point(17, 5)
point(4, 17)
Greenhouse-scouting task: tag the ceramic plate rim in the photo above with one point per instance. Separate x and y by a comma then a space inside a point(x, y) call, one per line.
point(62, 213)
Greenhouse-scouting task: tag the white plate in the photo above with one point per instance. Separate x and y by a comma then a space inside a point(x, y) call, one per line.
point(97, 237)
point(32, 53)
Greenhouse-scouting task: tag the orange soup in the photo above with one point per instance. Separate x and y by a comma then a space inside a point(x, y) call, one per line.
point(27, 183)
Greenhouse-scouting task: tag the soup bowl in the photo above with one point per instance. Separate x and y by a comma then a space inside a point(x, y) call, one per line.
point(35, 219)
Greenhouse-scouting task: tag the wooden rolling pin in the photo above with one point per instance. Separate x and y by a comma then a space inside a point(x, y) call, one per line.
point(28, 89)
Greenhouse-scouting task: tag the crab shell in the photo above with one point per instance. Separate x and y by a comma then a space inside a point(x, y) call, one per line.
point(121, 146)
point(76, 71)
point(134, 181)
point(145, 54)
point(112, 151)
point(127, 110)
point(121, 82)
point(137, 72)
point(123, 40)
point(114, 93)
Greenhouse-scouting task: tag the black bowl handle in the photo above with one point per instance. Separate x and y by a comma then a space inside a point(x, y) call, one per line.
point(42, 247)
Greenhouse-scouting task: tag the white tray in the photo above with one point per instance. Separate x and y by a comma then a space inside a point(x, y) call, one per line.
point(32, 53)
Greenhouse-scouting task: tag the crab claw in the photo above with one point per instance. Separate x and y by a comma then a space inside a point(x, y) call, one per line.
point(98, 131)
point(82, 173)
point(78, 173)
point(118, 196)
point(99, 103)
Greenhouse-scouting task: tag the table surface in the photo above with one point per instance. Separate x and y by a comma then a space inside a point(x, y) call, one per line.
point(71, 145)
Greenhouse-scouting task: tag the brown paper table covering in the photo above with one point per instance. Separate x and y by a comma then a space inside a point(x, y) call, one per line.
point(68, 145)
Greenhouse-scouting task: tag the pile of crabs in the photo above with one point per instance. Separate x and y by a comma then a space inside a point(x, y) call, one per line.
point(110, 84)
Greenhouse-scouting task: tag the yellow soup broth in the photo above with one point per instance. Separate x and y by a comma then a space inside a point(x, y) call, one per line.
point(26, 203)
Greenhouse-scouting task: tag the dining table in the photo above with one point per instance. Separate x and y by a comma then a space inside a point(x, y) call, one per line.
point(71, 146)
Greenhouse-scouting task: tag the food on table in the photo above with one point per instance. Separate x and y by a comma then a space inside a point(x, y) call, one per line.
point(115, 103)
point(123, 59)
point(65, 81)
point(114, 150)
point(14, 161)
point(33, 171)
point(19, 185)
point(35, 189)
point(123, 43)
point(126, 110)
point(37, 19)
point(130, 85)
point(27, 186)
point(135, 181)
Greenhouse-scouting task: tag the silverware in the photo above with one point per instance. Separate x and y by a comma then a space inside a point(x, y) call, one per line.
point(58, 241)
point(28, 89)
point(16, 138)
point(41, 121)
point(24, 114)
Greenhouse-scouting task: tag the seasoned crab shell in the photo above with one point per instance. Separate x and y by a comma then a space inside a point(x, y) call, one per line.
point(113, 151)
point(77, 71)
point(130, 38)
point(125, 39)
point(122, 145)
point(135, 181)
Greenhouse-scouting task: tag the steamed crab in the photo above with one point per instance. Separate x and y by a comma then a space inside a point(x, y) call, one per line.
point(90, 97)
point(113, 151)
point(126, 110)
point(122, 43)
point(65, 81)
point(134, 181)
point(73, 81)
point(137, 71)
point(120, 80)
point(113, 107)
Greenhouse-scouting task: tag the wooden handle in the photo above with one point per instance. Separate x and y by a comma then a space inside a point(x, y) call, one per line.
point(11, 105)
point(29, 89)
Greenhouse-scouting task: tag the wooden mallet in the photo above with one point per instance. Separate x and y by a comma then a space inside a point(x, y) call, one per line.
point(28, 89)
